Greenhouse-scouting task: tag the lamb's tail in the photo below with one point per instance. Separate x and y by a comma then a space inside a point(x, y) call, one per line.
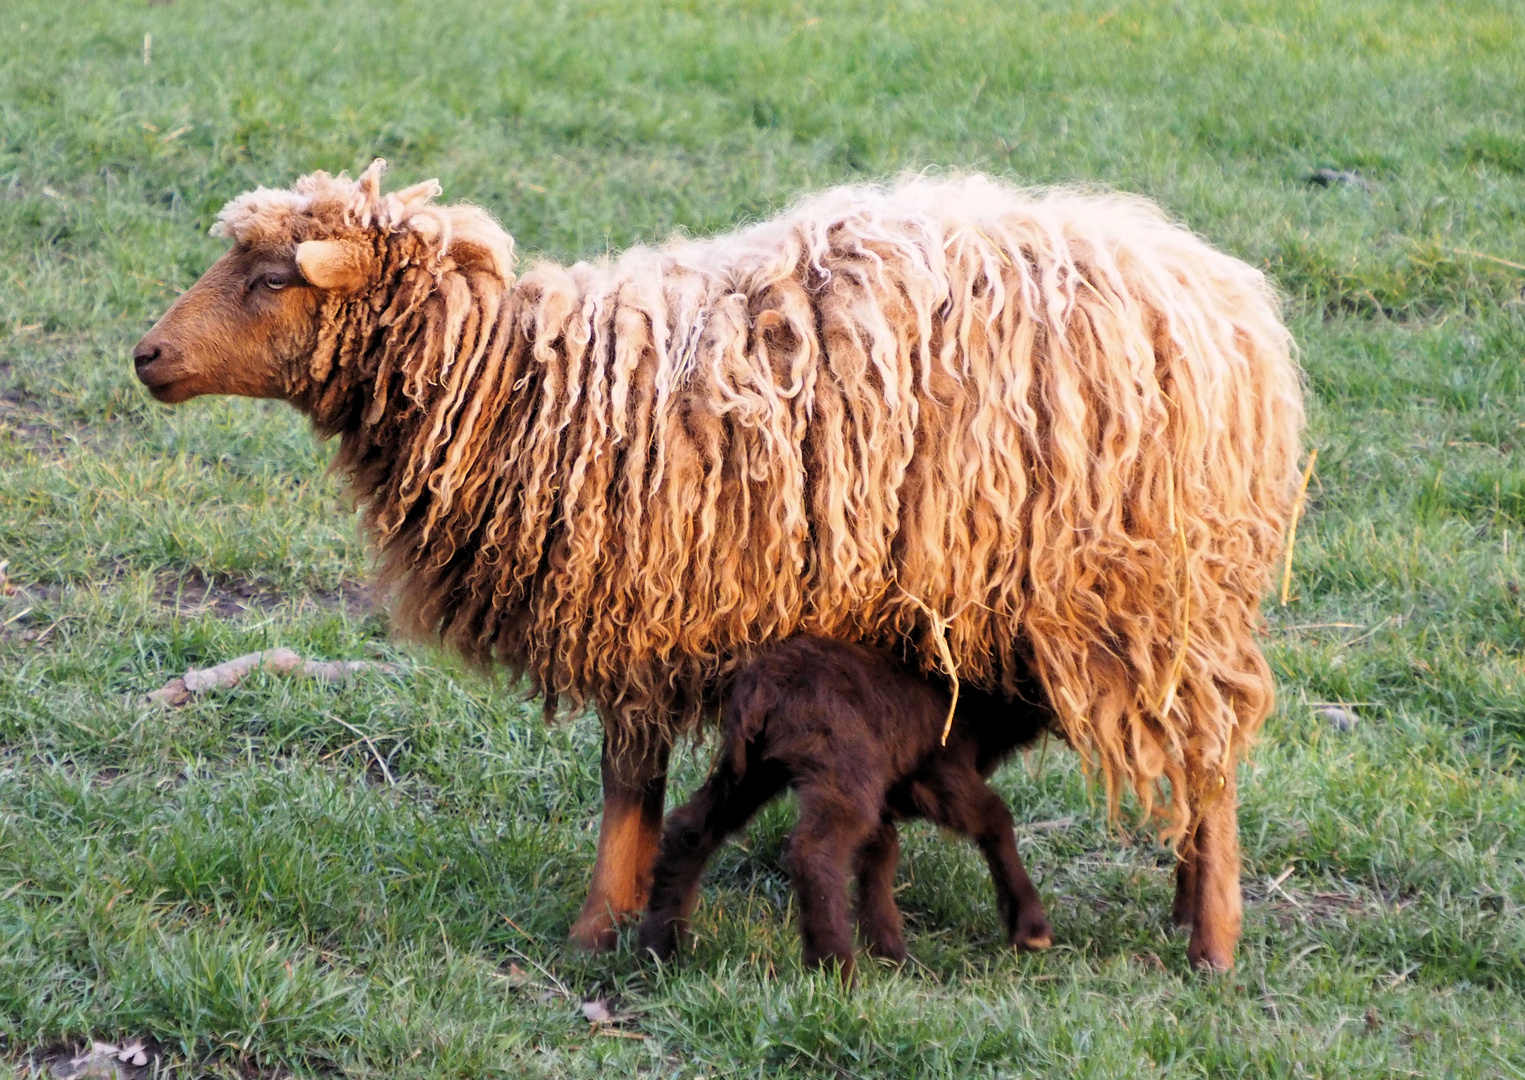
point(747, 710)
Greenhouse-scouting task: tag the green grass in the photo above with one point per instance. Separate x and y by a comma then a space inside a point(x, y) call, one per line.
point(238, 880)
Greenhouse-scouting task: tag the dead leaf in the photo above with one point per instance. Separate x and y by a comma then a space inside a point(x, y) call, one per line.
point(103, 1061)
point(517, 978)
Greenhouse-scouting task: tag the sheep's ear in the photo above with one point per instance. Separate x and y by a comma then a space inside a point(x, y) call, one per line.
point(334, 264)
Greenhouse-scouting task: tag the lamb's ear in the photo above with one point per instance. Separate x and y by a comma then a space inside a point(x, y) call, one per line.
point(334, 264)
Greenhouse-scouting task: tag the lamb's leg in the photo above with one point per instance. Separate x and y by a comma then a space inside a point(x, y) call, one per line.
point(635, 783)
point(1217, 910)
point(879, 921)
point(973, 808)
point(831, 830)
point(721, 806)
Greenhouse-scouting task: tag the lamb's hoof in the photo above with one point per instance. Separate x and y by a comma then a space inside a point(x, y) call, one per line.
point(657, 938)
point(1032, 940)
point(893, 951)
point(842, 965)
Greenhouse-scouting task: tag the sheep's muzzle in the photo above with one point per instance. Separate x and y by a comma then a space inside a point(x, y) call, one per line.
point(154, 362)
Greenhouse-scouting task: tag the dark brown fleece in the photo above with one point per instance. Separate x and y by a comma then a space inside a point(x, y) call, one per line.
point(858, 736)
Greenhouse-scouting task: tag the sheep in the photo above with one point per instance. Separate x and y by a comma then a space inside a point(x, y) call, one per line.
point(1010, 433)
point(860, 739)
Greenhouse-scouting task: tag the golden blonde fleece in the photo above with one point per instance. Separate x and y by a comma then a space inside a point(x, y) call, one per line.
point(1036, 432)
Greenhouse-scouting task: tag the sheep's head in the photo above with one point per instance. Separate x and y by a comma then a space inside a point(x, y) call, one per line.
point(243, 328)
point(255, 322)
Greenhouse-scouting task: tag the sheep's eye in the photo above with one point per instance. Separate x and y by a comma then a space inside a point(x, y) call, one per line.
point(275, 282)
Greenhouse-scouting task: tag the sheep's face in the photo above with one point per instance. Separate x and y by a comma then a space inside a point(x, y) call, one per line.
point(246, 327)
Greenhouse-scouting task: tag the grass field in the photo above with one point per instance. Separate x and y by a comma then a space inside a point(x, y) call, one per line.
point(240, 882)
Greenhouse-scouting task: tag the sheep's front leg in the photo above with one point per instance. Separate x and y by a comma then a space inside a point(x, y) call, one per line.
point(635, 785)
point(1207, 882)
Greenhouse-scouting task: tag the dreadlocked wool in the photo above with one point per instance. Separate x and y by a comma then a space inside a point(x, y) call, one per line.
point(1000, 430)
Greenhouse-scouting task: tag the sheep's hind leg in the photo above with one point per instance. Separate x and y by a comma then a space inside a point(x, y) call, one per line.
point(978, 812)
point(879, 921)
point(721, 806)
point(635, 785)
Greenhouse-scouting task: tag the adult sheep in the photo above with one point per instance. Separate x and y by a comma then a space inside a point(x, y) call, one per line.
point(1008, 432)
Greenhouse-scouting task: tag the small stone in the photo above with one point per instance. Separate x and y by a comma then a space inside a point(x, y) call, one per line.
point(1339, 719)
point(1338, 178)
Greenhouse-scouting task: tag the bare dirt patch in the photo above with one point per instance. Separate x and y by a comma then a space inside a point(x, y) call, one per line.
point(27, 420)
point(23, 605)
point(27, 425)
point(228, 596)
point(1291, 907)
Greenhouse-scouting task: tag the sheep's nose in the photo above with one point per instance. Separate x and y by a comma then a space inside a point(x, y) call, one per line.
point(144, 355)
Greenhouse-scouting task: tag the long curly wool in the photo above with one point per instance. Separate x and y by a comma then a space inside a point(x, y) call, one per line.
point(1052, 423)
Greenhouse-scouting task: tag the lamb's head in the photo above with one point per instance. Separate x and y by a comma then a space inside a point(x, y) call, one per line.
point(268, 316)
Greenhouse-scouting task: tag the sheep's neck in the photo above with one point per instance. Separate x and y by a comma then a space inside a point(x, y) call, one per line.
point(404, 406)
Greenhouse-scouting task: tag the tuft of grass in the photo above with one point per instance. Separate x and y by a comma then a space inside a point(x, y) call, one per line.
point(238, 881)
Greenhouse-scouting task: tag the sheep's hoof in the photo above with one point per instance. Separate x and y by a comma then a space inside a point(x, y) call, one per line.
point(1212, 948)
point(595, 932)
point(1212, 965)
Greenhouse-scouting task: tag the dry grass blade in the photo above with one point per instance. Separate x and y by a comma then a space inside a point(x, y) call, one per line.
point(945, 655)
point(1486, 257)
point(1178, 663)
point(1297, 512)
point(375, 753)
